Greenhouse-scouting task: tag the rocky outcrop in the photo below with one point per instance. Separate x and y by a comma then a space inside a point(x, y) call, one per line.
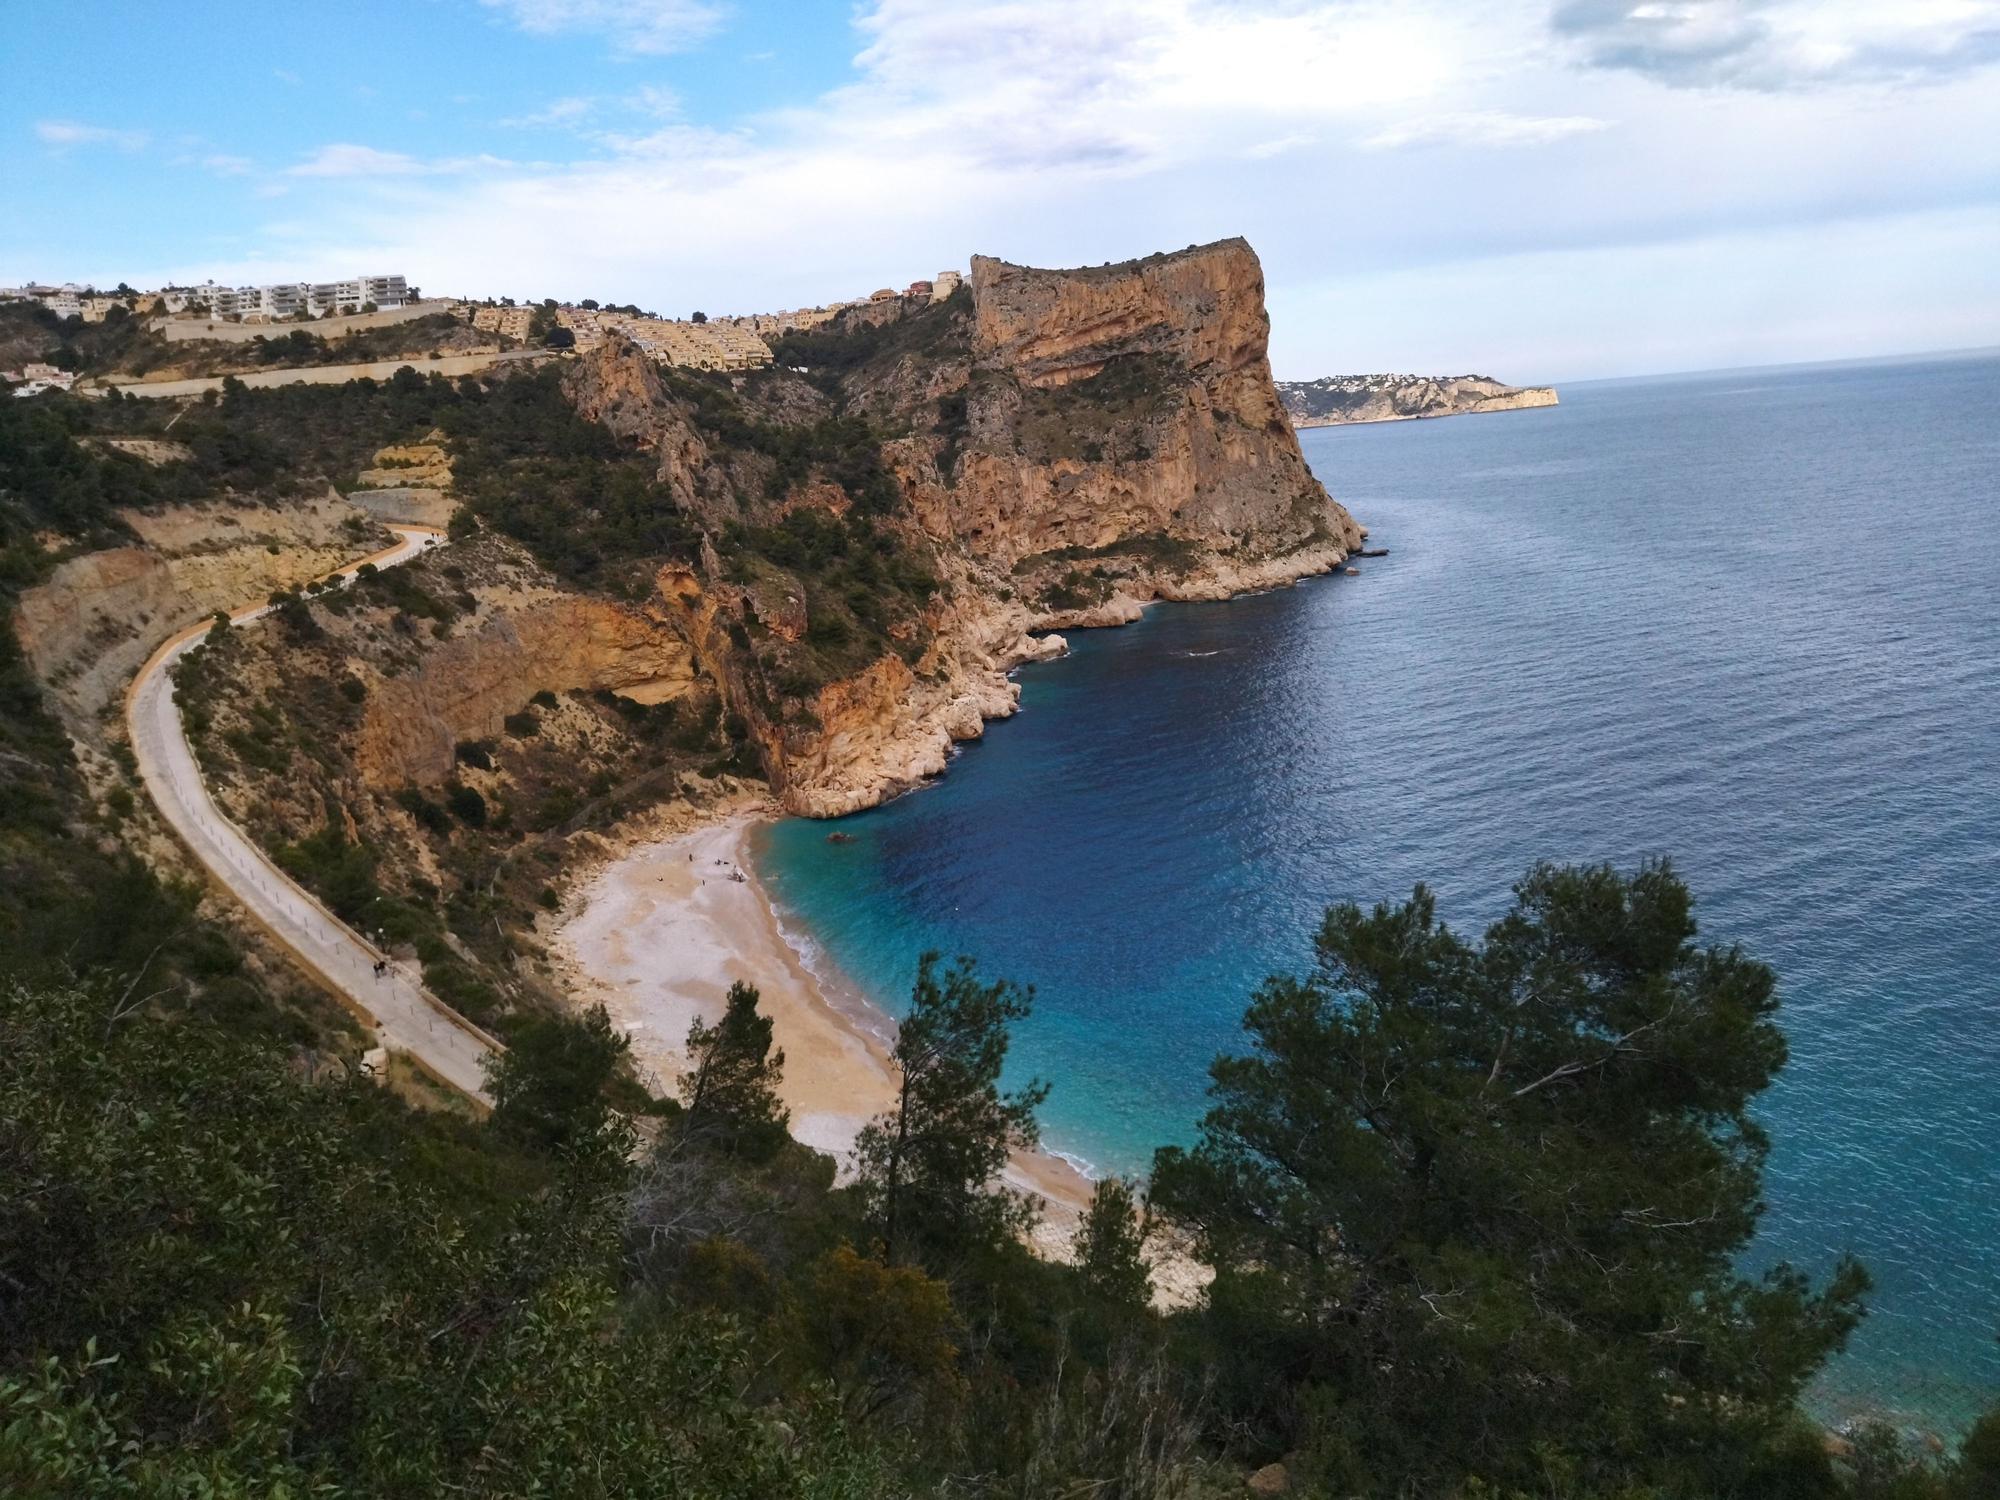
point(1126, 401)
point(1337, 399)
point(618, 385)
point(1203, 305)
point(424, 466)
point(1075, 444)
point(1071, 445)
point(890, 728)
point(467, 686)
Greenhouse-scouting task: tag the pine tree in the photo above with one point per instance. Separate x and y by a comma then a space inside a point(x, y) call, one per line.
point(1489, 1198)
point(926, 1167)
point(730, 1090)
point(1110, 1247)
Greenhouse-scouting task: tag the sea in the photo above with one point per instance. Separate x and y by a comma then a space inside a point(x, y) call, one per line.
point(1749, 620)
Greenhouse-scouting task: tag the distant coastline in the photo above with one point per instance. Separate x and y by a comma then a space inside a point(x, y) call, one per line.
point(1341, 400)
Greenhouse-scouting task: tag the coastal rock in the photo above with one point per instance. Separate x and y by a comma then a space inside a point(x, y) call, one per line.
point(1075, 444)
point(1119, 402)
point(1123, 442)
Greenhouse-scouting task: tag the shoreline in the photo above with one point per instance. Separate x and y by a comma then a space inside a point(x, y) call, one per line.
point(654, 928)
point(662, 925)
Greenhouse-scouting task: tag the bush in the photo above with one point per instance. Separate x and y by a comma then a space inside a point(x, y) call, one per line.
point(466, 804)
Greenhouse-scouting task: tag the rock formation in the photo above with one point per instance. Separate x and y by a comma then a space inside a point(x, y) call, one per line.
point(86, 630)
point(467, 685)
point(1082, 442)
point(1130, 401)
point(848, 553)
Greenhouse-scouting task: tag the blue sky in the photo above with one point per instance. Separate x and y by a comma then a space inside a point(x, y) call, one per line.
point(1542, 191)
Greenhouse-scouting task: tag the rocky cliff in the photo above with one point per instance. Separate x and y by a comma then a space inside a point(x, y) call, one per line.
point(1045, 449)
point(1336, 399)
point(466, 687)
point(1131, 401)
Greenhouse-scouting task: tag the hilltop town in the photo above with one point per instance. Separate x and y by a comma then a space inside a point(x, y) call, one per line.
point(266, 314)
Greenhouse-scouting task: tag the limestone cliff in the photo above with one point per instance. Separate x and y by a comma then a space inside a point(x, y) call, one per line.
point(1336, 399)
point(1073, 445)
point(1121, 402)
point(466, 687)
point(824, 571)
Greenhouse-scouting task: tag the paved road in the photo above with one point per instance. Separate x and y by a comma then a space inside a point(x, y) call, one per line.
point(381, 369)
point(406, 1016)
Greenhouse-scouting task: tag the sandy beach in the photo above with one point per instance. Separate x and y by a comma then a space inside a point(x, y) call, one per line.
point(660, 932)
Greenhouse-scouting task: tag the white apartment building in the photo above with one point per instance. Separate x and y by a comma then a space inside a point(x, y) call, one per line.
point(287, 299)
point(64, 301)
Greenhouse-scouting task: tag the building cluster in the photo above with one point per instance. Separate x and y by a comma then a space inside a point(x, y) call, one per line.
point(716, 345)
point(72, 301)
point(287, 299)
point(246, 304)
point(33, 379)
point(720, 343)
point(512, 322)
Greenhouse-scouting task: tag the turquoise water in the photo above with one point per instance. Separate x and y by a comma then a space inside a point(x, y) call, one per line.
point(1749, 620)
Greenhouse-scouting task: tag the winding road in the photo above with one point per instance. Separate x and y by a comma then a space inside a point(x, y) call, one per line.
point(405, 1016)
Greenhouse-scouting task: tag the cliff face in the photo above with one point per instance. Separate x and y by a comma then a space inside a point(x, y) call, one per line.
point(1075, 444)
point(465, 687)
point(1067, 447)
point(837, 561)
point(87, 629)
point(1336, 399)
point(1130, 401)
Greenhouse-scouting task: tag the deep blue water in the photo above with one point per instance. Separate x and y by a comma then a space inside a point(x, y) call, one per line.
point(1749, 620)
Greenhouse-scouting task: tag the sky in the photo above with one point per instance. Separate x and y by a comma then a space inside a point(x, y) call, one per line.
point(1538, 191)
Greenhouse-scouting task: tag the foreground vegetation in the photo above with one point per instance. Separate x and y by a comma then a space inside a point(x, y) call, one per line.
point(1476, 1207)
point(1473, 1207)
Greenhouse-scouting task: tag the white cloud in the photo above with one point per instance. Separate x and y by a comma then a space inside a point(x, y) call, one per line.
point(224, 165)
point(346, 160)
point(73, 133)
point(343, 160)
point(557, 112)
point(1058, 134)
point(1481, 128)
point(636, 26)
point(652, 99)
point(1265, 150)
point(1783, 44)
point(582, 114)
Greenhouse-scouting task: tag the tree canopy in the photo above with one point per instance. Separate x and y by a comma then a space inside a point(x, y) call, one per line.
point(1476, 1208)
point(928, 1165)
